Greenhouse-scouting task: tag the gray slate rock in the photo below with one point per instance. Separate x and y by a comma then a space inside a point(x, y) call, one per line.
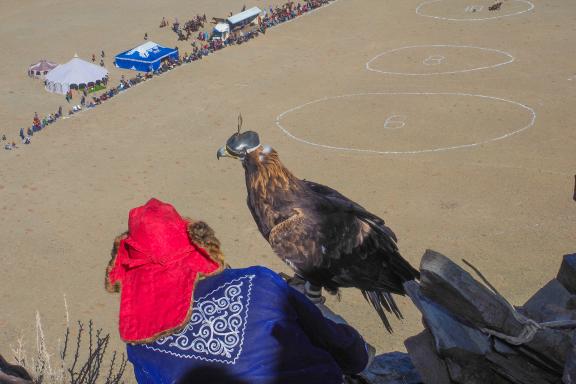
point(567, 273)
point(392, 368)
point(552, 302)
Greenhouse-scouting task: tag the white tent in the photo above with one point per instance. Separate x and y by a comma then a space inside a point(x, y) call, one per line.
point(221, 31)
point(222, 28)
point(74, 74)
point(243, 18)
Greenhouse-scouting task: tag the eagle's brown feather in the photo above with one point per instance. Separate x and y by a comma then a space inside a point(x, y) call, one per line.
point(328, 239)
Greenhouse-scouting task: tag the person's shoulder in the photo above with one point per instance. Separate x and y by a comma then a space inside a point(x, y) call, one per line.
point(258, 272)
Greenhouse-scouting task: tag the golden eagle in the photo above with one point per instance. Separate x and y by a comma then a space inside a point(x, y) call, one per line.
point(326, 238)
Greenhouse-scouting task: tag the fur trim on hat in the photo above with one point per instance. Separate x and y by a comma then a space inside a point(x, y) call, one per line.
point(204, 236)
point(199, 233)
point(113, 288)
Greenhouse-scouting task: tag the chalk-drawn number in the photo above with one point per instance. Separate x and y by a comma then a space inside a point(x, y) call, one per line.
point(434, 60)
point(395, 122)
point(473, 8)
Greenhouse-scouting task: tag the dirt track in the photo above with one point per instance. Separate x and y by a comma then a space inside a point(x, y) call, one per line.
point(503, 205)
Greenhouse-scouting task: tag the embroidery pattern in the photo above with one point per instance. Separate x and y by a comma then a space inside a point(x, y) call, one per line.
point(216, 328)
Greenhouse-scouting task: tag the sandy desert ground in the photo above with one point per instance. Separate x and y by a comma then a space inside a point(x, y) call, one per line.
point(473, 163)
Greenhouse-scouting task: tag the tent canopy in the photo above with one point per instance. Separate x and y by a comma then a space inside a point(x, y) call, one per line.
point(41, 68)
point(146, 57)
point(74, 73)
point(222, 28)
point(244, 17)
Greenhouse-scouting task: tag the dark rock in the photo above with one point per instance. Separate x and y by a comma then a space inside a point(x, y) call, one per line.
point(474, 304)
point(423, 355)
point(552, 302)
point(514, 366)
point(392, 368)
point(13, 374)
point(446, 283)
point(462, 348)
point(449, 334)
point(567, 273)
point(569, 376)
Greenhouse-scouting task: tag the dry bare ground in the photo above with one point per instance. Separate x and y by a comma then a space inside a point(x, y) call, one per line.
point(503, 205)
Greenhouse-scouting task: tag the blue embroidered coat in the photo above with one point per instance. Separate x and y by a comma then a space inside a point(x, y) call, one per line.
point(249, 326)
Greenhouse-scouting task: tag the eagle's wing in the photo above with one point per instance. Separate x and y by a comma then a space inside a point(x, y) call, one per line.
point(334, 242)
point(377, 245)
point(291, 241)
point(346, 204)
point(313, 240)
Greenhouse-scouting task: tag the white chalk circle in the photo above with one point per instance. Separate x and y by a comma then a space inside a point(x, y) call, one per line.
point(438, 59)
point(472, 10)
point(431, 121)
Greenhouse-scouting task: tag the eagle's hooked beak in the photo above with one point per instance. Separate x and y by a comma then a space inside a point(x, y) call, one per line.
point(222, 152)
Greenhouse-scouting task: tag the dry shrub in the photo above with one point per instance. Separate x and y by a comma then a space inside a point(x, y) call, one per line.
point(84, 366)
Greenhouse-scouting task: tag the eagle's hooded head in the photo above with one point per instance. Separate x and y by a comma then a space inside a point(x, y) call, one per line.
point(264, 172)
point(257, 159)
point(239, 145)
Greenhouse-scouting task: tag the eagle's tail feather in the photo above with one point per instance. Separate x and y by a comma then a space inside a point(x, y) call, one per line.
point(390, 300)
point(381, 301)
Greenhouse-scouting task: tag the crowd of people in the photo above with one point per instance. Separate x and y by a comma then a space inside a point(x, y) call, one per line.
point(201, 47)
point(290, 10)
point(193, 25)
point(273, 17)
point(37, 125)
point(102, 55)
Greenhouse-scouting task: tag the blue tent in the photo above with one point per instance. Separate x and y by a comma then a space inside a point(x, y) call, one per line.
point(145, 58)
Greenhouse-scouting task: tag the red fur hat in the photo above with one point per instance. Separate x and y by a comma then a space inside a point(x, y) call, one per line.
point(157, 267)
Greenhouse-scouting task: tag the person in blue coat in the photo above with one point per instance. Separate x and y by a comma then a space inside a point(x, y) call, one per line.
point(240, 325)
